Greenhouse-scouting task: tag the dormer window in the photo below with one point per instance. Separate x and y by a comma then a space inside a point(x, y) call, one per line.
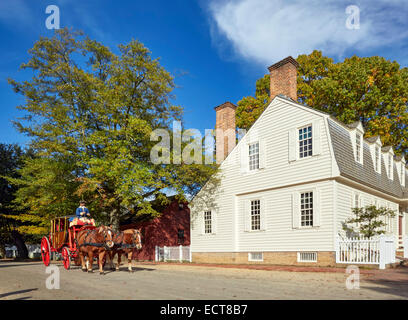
point(377, 159)
point(356, 135)
point(390, 166)
point(358, 147)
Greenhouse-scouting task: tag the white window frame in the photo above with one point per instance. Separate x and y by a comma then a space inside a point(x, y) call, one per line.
point(208, 222)
point(357, 200)
point(310, 197)
point(256, 160)
point(359, 147)
point(390, 166)
point(253, 203)
point(300, 154)
point(377, 158)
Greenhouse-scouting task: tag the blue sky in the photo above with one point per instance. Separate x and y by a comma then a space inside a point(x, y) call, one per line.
point(215, 49)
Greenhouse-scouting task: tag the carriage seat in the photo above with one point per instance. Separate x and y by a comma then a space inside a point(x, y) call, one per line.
point(74, 221)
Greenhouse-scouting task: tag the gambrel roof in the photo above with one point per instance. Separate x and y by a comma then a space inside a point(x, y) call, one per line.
point(349, 168)
point(362, 173)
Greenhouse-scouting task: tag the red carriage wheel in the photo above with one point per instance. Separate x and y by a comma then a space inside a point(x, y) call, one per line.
point(66, 258)
point(45, 251)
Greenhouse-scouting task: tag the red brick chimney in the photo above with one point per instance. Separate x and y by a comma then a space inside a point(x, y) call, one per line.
point(284, 78)
point(225, 130)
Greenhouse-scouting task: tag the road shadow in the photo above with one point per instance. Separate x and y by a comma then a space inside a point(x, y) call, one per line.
point(390, 282)
point(3, 295)
point(125, 269)
point(108, 270)
point(11, 264)
point(389, 288)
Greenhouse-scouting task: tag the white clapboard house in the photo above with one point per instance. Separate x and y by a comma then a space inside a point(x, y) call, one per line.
point(289, 184)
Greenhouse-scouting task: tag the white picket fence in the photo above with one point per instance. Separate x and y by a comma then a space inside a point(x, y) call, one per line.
point(380, 250)
point(179, 253)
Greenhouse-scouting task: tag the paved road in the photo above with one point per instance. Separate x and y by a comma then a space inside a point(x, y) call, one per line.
point(26, 280)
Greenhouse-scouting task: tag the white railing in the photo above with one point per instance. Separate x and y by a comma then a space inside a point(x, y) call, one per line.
point(179, 253)
point(379, 251)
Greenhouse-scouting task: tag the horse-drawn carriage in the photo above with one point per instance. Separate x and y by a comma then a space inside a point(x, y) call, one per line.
point(61, 239)
point(76, 240)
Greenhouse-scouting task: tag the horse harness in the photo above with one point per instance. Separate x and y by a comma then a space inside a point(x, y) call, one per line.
point(122, 245)
point(92, 243)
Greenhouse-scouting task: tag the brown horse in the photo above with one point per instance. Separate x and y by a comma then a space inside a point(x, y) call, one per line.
point(94, 242)
point(125, 242)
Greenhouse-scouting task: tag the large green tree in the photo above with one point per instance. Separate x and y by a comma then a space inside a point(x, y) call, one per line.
point(13, 222)
point(370, 89)
point(90, 113)
point(10, 159)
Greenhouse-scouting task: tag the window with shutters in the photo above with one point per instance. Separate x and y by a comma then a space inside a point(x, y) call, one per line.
point(255, 215)
point(254, 156)
point(305, 142)
point(207, 222)
point(306, 209)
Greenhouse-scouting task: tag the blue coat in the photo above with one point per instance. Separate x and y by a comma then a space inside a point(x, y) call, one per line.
point(79, 210)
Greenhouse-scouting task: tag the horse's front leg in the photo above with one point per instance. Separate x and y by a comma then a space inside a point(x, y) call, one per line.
point(118, 262)
point(101, 256)
point(90, 261)
point(111, 255)
point(81, 256)
point(130, 252)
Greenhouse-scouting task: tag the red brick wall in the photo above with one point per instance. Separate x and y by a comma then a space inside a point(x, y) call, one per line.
point(162, 231)
point(283, 75)
point(225, 139)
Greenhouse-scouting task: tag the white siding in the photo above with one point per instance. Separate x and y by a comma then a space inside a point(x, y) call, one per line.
point(275, 182)
point(345, 202)
point(279, 234)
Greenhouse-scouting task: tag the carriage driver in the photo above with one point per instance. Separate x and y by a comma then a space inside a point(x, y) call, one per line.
point(83, 214)
point(82, 211)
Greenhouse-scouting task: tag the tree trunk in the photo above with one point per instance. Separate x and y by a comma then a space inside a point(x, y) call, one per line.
point(2, 251)
point(19, 243)
point(115, 219)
